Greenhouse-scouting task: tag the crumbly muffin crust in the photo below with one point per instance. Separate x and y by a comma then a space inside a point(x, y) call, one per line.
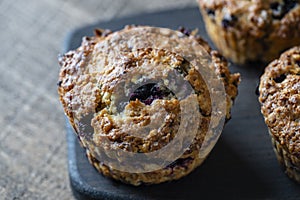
point(252, 30)
point(280, 98)
point(88, 78)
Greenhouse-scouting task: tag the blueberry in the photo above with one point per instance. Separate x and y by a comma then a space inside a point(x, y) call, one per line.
point(149, 92)
point(229, 21)
point(277, 10)
point(280, 10)
point(143, 92)
point(148, 101)
point(59, 83)
point(185, 31)
point(289, 4)
point(280, 78)
point(275, 5)
point(210, 12)
point(298, 62)
point(155, 89)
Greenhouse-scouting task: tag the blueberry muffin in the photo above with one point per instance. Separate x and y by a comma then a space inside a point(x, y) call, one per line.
point(130, 94)
point(280, 99)
point(252, 30)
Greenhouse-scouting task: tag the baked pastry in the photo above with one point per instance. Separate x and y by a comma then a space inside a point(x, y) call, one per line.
point(132, 93)
point(252, 30)
point(280, 99)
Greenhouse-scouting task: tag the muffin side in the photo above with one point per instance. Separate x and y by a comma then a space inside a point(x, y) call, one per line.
point(280, 105)
point(81, 90)
point(252, 30)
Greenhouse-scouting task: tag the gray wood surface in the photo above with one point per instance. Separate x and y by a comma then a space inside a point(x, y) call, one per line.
point(33, 160)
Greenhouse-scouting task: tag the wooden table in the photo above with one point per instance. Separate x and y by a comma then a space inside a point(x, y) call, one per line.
point(33, 159)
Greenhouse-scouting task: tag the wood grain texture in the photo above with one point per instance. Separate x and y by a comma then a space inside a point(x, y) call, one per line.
point(33, 160)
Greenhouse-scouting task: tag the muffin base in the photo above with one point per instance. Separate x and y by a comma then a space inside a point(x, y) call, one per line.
point(289, 162)
point(166, 174)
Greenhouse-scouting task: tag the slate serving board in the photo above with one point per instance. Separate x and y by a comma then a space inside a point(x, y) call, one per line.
point(241, 166)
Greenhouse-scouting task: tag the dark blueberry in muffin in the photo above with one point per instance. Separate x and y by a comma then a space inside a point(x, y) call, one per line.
point(59, 83)
point(150, 92)
point(185, 31)
point(276, 8)
point(280, 78)
point(297, 62)
point(210, 12)
point(280, 10)
point(289, 4)
point(229, 21)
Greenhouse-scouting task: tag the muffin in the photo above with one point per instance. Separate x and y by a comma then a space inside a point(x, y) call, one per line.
point(139, 103)
point(280, 105)
point(252, 30)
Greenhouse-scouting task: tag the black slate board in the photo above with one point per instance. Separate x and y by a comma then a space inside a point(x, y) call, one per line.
point(241, 166)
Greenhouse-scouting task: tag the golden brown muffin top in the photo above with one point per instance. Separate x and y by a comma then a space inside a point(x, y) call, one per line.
point(280, 98)
point(256, 17)
point(94, 59)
